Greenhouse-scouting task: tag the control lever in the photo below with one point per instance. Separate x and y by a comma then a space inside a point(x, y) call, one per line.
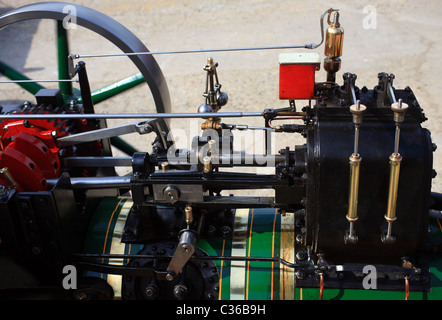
point(183, 252)
point(142, 127)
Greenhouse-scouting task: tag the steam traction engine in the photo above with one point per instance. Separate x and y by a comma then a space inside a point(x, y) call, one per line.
point(356, 194)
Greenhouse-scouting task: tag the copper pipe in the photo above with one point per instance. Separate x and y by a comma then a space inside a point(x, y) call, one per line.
point(407, 288)
point(321, 286)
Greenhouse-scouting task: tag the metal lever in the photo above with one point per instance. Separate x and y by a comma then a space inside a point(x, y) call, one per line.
point(142, 127)
point(184, 251)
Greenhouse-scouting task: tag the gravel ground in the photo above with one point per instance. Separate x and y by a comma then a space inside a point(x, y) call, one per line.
point(405, 42)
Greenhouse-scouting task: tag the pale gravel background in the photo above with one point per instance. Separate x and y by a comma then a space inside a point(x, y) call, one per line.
point(406, 42)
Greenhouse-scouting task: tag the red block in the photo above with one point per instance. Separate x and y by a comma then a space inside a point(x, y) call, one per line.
point(297, 75)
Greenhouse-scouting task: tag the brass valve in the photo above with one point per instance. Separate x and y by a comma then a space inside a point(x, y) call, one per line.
point(334, 38)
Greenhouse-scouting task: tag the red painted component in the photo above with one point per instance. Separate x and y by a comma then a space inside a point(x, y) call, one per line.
point(297, 76)
point(29, 151)
point(25, 171)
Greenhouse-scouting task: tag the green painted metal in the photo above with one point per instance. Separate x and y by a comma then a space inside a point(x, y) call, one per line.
point(101, 234)
point(116, 88)
point(259, 275)
point(13, 74)
point(110, 91)
point(122, 145)
point(62, 57)
point(262, 279)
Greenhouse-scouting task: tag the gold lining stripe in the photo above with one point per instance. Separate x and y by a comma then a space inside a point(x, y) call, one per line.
point(248, 255)
point(239, 249)
point(287, 252)
point(221, 271)
point(107, 230)
point(273, 254)
point(440, 226)
point(118, 248)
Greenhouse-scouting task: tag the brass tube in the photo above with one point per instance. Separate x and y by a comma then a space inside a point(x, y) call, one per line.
point(395, 165)
point(355, 162)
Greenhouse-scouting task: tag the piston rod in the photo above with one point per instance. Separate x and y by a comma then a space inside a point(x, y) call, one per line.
point(131, 115)
point(399, 108)
point(355, 161)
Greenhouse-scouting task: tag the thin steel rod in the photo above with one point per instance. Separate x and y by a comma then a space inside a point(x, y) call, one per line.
point(102, 55)
point(396, 139)
point(305, 46)
point(96, 182)
point(30, 81)
point(132, 115)
point(356, 142)
point(12, 74)
point(126, 256)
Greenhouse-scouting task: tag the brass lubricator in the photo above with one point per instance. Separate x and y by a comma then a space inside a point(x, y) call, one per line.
point(214, 97)
point(355, 162)
point(334, 39)
point(399, 108)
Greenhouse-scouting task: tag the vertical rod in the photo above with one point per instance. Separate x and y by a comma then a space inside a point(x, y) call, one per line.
point(86, 96)
point(396, 139)
point(62, 57)
point(356, 142)
point(355, 162)
point(399, 110)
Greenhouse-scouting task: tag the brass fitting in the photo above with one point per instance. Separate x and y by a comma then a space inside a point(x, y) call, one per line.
point(334, 39)
point(164, 166)
point(207, 164)
point(211, 123)
point(189, 215)
point(8, 177)
point(399, 108)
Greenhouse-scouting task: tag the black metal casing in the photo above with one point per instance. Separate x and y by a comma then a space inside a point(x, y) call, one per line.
point(329, 144)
